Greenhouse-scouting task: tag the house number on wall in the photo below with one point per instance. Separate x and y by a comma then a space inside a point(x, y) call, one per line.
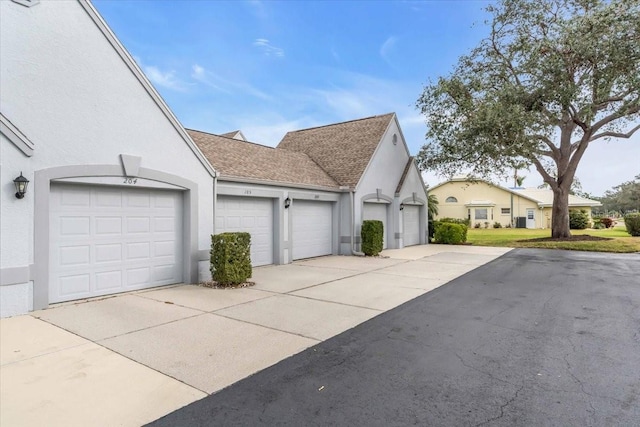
point(130, 181)
point(317, 196)
point(247, 191)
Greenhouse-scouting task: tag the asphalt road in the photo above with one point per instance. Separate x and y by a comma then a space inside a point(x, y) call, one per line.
point(536, 337)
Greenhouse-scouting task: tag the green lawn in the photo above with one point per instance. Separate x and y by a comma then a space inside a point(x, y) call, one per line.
point(513, 238)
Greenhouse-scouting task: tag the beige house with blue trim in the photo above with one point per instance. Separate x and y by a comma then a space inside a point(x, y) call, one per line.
point(483, 202)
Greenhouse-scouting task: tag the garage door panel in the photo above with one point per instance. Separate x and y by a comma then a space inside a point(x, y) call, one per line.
point(377, 211)
point(252, 215)
point(312, 228)
point(411, 224)
point(94, 254)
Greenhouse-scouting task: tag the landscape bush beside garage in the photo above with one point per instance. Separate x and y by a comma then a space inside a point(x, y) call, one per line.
point(231, 258)
point(372, 234)
point(632, 222)
point(450, 234)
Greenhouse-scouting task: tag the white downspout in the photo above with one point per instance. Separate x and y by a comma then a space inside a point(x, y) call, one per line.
point(353, 226)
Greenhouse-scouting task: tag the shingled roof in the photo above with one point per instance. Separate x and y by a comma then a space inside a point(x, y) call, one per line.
point(343, 150)
point(241, 159)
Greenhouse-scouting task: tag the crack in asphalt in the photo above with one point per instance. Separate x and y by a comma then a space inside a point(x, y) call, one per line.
point(503, 407)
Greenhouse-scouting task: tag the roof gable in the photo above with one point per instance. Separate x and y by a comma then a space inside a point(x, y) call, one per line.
point(343, 150)
point(246, 160)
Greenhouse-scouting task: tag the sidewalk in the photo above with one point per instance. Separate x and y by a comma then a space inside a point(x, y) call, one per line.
point(132, 358)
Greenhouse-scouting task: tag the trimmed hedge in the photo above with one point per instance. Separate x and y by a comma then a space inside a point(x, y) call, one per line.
point(632, 222)
point(578, 220)
point(372, 233)
point(231, 258)
point(450, 234)
point(433, 227)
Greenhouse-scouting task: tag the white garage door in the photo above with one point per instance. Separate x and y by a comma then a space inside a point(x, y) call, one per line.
point(411, 223)
point(377, 211)
point(105, 240)
point(252, 215)
point(312, 228)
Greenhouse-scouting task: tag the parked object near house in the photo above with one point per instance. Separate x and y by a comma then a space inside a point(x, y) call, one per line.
point(483, 202)
point(107, 207)
point(308, 196)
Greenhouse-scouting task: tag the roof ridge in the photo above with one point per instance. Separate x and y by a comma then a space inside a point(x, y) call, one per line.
point(231, 139)
point(341, 123)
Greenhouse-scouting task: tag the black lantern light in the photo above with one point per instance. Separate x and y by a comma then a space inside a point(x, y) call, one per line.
point(21, 184)
point(287, 203)
point(401, 206)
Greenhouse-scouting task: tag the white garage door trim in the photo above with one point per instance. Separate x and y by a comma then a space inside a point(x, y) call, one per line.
point(105, 240)
point(377, 211)
point(312, 228)
point(253, 215)
point(411, 224)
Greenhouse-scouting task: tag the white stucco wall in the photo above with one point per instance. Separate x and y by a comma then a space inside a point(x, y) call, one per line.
point(68, 90)
point(384, 172)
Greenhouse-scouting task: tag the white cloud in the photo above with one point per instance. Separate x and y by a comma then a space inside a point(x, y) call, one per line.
point(158, 77)
point(214, 81)
point(268, 49)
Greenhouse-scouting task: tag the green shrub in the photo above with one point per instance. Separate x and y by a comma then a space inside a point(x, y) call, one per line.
point(497, 225)
point(451, 234)
point(476, 225)
point(231, 258)
point(372, 233)
point(464, 221)
point(632, 222)
point(578, 220)
point(432, 224)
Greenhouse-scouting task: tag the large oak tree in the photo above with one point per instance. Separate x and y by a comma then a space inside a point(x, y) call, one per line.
point(551, 78)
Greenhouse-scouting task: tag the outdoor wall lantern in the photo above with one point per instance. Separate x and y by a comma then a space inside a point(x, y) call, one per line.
point(401, 206)
point(21, 184)
point(287, 203)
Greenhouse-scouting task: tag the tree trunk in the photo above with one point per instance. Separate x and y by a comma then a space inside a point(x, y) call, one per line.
point(560, 213)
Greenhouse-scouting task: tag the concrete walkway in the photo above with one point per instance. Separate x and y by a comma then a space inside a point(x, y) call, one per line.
point(132, 358)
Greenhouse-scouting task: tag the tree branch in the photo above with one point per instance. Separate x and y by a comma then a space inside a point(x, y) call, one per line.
point(617, 114)
point(545, 175)
point(611, 134)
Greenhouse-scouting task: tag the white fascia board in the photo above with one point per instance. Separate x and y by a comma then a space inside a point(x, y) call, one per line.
point(14, 135)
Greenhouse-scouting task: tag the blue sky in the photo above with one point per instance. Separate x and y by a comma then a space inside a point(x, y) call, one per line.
point(269, 67)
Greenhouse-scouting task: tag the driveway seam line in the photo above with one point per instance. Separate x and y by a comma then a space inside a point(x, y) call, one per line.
point(319, 340)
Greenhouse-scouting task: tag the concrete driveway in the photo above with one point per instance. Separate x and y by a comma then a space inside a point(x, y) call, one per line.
point(132, 358)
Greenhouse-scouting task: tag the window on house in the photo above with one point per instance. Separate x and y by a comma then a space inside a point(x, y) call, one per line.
point(481, 214)
point(451, 199)
point(505, 211)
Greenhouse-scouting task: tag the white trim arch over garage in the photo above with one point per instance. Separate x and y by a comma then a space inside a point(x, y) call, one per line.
point(96, 175)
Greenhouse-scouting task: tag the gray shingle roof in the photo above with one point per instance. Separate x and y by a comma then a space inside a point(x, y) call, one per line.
point(343, 150)
point(240, 159)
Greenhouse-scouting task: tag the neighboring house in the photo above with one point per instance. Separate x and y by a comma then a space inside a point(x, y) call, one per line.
point(108, 207)
point(308, 196)
point(483, 202)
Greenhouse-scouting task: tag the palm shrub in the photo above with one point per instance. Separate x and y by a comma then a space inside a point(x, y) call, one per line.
point(632, 222)
point(372, 235)
point(230, 258)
